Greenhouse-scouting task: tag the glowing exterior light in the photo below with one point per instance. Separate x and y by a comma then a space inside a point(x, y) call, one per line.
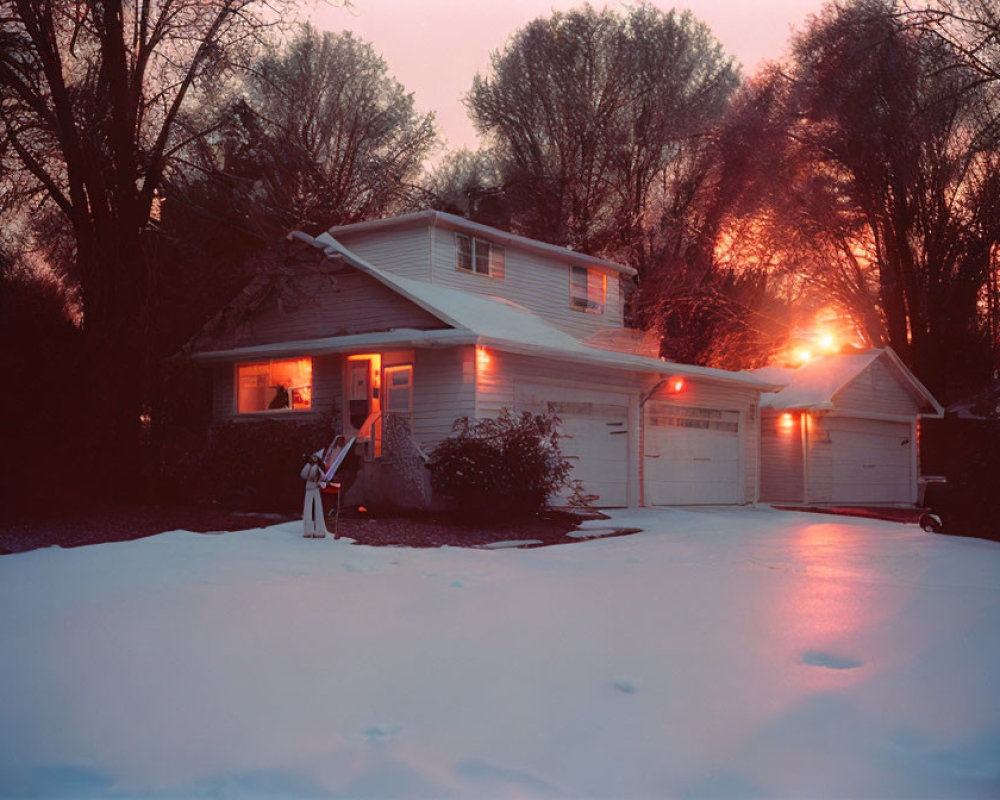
point(786, 423)
point(482, 357)
point(804, 355)
point(827, 341)
point(676, 384)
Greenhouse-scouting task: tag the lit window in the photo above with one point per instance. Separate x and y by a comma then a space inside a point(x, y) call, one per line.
point(479, 256)
point(274, 386)
point(399, 389)
point(588, 289)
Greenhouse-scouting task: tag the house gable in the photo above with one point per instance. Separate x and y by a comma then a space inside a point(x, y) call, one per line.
point(401, 251)
point(316, 300)
point(880, 388)
point(535, 275)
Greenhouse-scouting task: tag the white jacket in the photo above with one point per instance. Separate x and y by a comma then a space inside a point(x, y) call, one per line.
point(312, 474)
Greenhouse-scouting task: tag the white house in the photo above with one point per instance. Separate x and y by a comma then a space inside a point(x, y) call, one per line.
point(843, 430)
point(429, 317)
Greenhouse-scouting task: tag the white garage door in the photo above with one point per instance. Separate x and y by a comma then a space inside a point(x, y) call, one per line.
point(871, 461)
point(692, 455)
point(593, 436)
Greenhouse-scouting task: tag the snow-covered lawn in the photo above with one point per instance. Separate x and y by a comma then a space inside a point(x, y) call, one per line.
point(720, 653)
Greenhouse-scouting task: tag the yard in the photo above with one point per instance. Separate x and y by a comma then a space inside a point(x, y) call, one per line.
point(719, 653)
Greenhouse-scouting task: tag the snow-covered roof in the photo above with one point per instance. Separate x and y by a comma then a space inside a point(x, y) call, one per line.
point(404, 338)
point(813, 386)
point(453, 222)
point(477, 319)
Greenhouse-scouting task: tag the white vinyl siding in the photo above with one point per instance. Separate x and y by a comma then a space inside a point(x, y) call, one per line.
point(877, 390)
point(497, 383)
point(846, 457)
point(403, 251)
point(338, 304)
point(781, 476)
point(443, 391)
point(533, 281)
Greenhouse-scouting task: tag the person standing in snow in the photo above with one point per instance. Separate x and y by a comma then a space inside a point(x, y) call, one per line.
point(312, 510)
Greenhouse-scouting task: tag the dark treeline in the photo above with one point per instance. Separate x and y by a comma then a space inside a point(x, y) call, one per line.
point(154, 154)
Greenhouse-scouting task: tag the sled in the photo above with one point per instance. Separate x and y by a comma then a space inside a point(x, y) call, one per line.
point(333, 458)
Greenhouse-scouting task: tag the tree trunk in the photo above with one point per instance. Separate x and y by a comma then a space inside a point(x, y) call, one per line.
point(115, 338)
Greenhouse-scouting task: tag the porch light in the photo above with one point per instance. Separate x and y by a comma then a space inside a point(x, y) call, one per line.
point(676, 384)
point(482, 357)
point(786, 423)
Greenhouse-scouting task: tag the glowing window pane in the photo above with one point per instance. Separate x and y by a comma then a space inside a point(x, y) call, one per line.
point(274, 386)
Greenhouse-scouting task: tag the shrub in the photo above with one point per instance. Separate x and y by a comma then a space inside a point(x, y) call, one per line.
point(502, 467)
point(254, 466)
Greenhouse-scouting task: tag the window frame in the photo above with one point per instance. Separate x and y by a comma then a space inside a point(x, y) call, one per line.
point(495, 258)
point(587, 305)
point(264, 411)
point(387, 385)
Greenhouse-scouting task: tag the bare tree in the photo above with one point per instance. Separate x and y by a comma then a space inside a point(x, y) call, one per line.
point(327, 135)
point(94, 99)
point(468, 183)
point(971, 29)
point(887, 192)
point(591, 115)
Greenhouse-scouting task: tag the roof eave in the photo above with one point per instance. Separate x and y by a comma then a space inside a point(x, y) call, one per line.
point(623, 361)
point(445, 220)
point(400, 337)
point(937, 408)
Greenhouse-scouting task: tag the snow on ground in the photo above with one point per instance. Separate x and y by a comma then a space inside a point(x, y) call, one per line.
point(721, 653)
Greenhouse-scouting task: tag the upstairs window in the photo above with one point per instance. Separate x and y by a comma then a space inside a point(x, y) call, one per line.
point(588, 289)
point(274, 386)
point(479, 256)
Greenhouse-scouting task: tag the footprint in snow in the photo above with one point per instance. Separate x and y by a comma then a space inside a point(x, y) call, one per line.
point(817, 658)
point(626, 686)
point(379, 733)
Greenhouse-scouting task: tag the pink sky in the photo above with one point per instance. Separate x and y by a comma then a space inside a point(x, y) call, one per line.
point(435, 47)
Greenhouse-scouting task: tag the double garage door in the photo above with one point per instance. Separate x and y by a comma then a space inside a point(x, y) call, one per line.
point(593, 435)
point(693, 455)
point(871, 460)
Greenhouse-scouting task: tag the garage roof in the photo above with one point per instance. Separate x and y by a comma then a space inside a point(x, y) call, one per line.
point(813, 386)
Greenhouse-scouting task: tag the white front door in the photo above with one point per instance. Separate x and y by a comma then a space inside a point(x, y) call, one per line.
point(872, 461)
point(692, 455)
point(593, 435)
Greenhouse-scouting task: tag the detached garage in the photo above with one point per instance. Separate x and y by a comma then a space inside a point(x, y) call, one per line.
point(843, 430)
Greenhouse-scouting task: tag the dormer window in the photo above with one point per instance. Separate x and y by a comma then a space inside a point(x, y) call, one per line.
point(588, 289)
point(478, 256)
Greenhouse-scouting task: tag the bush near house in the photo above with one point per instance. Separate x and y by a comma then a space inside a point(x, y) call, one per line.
point(249, 466)
point(500, 468)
